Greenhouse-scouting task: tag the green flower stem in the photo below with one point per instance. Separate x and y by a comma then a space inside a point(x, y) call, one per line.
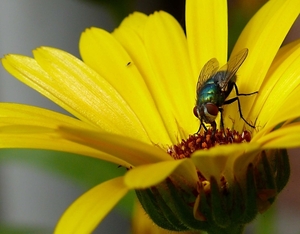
point(266, 223)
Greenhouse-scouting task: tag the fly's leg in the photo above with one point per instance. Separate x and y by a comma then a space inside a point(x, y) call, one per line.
point(240, 111)
point(202, 124)
point(214, 127)
point(221, 119)
point(242, 94)
point(239, 104)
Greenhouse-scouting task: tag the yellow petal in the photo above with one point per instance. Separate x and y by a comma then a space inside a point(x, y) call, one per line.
point(149, 175)
point(90, 209)
point(263, 36)
point(131, 38)
point(135, 21)
point(286, 112)
point(23, 126)
point(217, 161)
point(236, 167)
point(101, 51)
point(163, 90)
point(284, 53)
point(70, 83)
point(173, 83)
point(285, 137)
point(21, 114)
point(130, 150)
point(282, 83)
point(206, 27)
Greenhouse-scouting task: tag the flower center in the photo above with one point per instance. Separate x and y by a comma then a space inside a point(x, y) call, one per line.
point(206, 140)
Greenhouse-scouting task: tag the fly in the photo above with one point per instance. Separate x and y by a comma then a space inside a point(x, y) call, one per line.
point(214, 86)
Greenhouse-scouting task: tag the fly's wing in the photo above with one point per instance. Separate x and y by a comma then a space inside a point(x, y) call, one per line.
point(229, 70)
point(208, 71)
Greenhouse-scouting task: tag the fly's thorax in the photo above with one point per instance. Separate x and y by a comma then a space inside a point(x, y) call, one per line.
point(208, 93)
point(215, 92)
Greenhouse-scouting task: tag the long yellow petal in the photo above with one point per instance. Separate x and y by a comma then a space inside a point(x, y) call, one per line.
point(20, 114)
point(165, 80)
point(272, 97)
point(23, 126)
point(285, 137)
point(206, 27)
point(149, 175)
point(70, 83)
point(263, 36)
point(173, 84)
point(135, 21)
point(130, 150)
point(281, 114)
point(101, 51)
point(90, 209)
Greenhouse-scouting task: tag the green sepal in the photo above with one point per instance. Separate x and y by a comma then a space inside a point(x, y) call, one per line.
point(204, 206)
point(282, 167)
point(150, 205)
point(163, 200)
point(218, 205)
point(214, 208)
point(273, 174)
point(236, 202)
point(184, 210)
point(251, 209)
point(269, 177)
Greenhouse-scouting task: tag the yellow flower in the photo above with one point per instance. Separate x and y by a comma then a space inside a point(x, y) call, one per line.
point(133, 97)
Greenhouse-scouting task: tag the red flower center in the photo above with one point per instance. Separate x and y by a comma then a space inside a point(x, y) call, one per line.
point(206, 140)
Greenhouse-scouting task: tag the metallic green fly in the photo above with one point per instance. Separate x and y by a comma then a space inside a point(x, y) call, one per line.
point(214, 86)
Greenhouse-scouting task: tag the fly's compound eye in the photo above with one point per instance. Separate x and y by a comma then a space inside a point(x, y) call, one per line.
point(211, 109)
point(210, 112)
point(195, 110)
